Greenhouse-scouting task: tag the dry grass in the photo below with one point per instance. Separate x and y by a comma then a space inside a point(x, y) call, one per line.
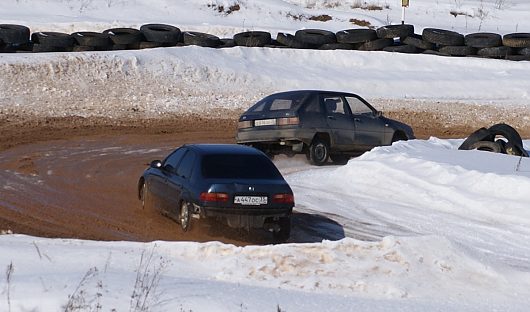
point(221, 9)
point(457, 13)
point(362, 23)
point(321, 18)
point(369, 7)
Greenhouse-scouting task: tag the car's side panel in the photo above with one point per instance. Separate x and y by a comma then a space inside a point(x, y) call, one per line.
point(156, 184)
point(370, 130)
point(339, 120)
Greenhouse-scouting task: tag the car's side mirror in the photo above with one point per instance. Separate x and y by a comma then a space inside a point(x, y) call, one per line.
point(378, 113)
point(156, 164)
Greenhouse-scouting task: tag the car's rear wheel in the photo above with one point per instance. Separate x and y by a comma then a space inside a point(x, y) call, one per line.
point(318, 152)
point(185, 216)
point(339, 159)
point(284, 233)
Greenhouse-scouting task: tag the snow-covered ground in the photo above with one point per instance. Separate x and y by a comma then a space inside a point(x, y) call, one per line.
point(427, 227)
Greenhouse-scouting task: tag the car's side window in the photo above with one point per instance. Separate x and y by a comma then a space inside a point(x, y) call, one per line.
point(313, 106)
point(335, 105)
point(357, 106)
point(186, 165)
point(171, 162)
point(258, 107)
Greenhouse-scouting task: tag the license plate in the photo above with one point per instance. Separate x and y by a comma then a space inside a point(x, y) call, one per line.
point(250, 200)
point(265, 122)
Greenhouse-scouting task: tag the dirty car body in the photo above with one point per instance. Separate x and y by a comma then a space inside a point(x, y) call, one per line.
point(234, 184)
point(319, 123)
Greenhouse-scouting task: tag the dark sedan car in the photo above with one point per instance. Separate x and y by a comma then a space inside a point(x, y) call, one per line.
point(321, 124)
point(235, 184)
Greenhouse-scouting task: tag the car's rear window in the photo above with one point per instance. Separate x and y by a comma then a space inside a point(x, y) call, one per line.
point(276, 102)
point(224, 166)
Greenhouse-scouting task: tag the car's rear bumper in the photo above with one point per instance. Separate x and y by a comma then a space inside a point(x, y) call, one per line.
point(237, 217)
point(273, 136)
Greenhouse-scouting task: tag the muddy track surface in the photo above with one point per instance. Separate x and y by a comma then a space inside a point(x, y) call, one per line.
point(77, 178)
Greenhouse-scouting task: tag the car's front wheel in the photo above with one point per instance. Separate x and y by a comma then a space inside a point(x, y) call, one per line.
point(144, 195)
point(318, 152)
point(185, 216)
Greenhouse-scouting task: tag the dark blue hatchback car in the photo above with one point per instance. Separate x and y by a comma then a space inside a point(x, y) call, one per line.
point(237, 185)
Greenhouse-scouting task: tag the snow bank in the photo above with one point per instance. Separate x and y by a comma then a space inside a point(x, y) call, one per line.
point(402, 270)
point(181, 80)
point(478, 200)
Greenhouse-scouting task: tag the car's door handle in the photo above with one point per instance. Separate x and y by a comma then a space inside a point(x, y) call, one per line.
point(331, 117)
point(357, 119)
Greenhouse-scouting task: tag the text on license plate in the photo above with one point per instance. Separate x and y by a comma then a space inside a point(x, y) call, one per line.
point(265, 122)
point(250, 200)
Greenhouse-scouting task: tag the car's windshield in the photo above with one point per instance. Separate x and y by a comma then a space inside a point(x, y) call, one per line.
point(239, 167)
point(276, 102)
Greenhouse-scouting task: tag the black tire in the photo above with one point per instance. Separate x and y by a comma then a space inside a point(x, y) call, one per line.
point(481, 134)
point(162, 33)
point(395, 31)
point(125, 36)
point(517, 40)
point(79, 48)
point(285, 230)
point(458, 50)
point(418, 42)
point(376, 45)
point(514, 150)
point(502, 144)
point(356, 35)
point(53, 39)
point(496, 52)
point(443, 37)
point(143, 195)
point(524, 52)
point(315, 37)
point(290, 41)
point(96, 40)
point(401, 49)
point(518, 57)
point(487, 146)
point(185, 216)
point(507, 132)
point(227, 43)
point(14, 34)
point(318, 152)
point(116, 47)
point(150, 45)
point(339, 159)
point(433, 52)
point(483, 40)
point(338, 46)
point(46, 48)
point(201, 39)
point(253, 38)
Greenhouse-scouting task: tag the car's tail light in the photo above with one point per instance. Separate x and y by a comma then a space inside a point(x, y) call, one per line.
point(214, 197)
point(283, 199)
point(244, 124)
point(288, 121)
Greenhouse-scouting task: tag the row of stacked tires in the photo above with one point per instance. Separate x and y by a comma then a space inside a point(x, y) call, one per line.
point(391, 38)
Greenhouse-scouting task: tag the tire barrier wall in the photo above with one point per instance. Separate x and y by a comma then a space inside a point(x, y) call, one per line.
point(391, 38)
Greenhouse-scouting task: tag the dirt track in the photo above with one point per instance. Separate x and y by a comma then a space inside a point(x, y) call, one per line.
point(76, 177)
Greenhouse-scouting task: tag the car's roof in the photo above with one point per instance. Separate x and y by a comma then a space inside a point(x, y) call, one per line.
point(292, 92)
point(207, 149)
